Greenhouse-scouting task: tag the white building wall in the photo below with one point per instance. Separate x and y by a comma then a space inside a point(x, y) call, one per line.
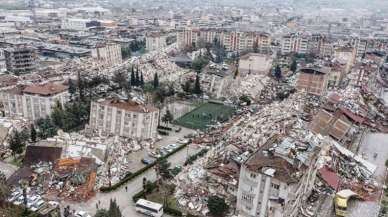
point(115, 121)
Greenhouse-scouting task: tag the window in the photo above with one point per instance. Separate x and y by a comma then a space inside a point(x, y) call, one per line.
point(253, 175)
point(275, 186)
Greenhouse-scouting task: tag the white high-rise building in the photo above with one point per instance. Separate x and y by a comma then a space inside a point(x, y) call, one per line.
point(108, 54)
point(294, 43)
point(122, 118)
point(155, 41)
point(33, 102)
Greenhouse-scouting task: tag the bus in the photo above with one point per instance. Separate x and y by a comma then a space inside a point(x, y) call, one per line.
point(149, 208)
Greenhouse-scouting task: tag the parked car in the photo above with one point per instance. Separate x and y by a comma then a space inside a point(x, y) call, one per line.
point(147, 161)
point(82, 214)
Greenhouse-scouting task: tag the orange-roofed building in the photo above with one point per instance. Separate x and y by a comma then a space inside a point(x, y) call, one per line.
point(34, 101)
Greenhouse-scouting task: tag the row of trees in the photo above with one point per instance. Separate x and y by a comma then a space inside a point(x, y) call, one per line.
point(189, 88)
point(113, 211)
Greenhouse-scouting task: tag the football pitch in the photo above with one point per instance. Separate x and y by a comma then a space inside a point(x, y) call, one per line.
point(205, 115)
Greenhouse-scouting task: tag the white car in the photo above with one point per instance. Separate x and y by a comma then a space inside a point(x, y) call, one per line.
point(82, 214)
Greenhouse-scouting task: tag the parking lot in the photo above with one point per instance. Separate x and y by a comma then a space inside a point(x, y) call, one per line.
point(135, 158)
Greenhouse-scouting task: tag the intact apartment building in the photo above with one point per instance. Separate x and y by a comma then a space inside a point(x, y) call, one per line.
point(3, 66)
point(155, 41)
point(34, 101)
point(295, 43)
point(313, 80)
point(20, 59)
point(108, 54)
point(124, 118)
point(273, 182)
point(233, 40)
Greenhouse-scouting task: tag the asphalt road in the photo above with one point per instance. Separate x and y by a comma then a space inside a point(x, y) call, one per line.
point(372, 143)
point(123, 197)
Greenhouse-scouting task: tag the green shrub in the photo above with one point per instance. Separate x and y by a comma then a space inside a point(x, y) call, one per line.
point(172, 211)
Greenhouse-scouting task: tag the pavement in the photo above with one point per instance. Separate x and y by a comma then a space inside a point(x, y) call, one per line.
point(134, 158)
point(372, 143)
point(123, 197)
point(7, 169)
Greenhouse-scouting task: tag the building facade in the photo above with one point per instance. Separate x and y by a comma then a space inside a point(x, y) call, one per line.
point(313, 81)
point(20, 59)
point(108, 54)
point(232, 40)
point(3, 65)
point(155, 41)
point(126, 119)
point(33, 102)
point(274, 184)
point(294, 43)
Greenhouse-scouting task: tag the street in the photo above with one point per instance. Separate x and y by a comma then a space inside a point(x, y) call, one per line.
point(123, 197)
point(372, 143)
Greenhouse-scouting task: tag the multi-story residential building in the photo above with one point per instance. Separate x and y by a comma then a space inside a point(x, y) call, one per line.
point(20, 59)
point(273, 182)
point(33, 102)
point(123, 118)
point(108, 54)
point(232, 40)
point(3, 65)
point(360, 46)
point(76, 24)
point(313, 80)
point(294, 43)
point(155, 41)
point(256, 64)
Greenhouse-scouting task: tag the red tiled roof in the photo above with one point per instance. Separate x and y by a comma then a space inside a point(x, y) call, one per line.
point(45, 89)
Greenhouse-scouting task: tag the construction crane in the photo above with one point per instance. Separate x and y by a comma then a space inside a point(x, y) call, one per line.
point(31, 6)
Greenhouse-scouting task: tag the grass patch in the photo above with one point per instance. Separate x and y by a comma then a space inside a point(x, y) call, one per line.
point(205, 115)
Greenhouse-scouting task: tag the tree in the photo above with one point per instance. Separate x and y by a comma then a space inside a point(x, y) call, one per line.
point(278, 72)
point(32, 133)
point(256, 46)
point(293, 66)
point(141, 80)
point(137, 77)
point(102, 213)
point(163, 169)
point(197, 85)
point(156, 81)
point(58, 115)
point(72, 87)
point(120, 79)
point(16, 143)
point(133, 81)
point(217, 206)
point(187, 86)
point(81, 86)
point(114, 210)
point(168, 117)
point(199, 63)
point(125, 52)
point(46, 128)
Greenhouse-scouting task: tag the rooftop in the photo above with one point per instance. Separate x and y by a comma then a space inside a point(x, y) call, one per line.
point(45, 89)
point(128, 105)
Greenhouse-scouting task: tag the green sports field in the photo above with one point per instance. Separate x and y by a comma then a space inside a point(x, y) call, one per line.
point(204, 115)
